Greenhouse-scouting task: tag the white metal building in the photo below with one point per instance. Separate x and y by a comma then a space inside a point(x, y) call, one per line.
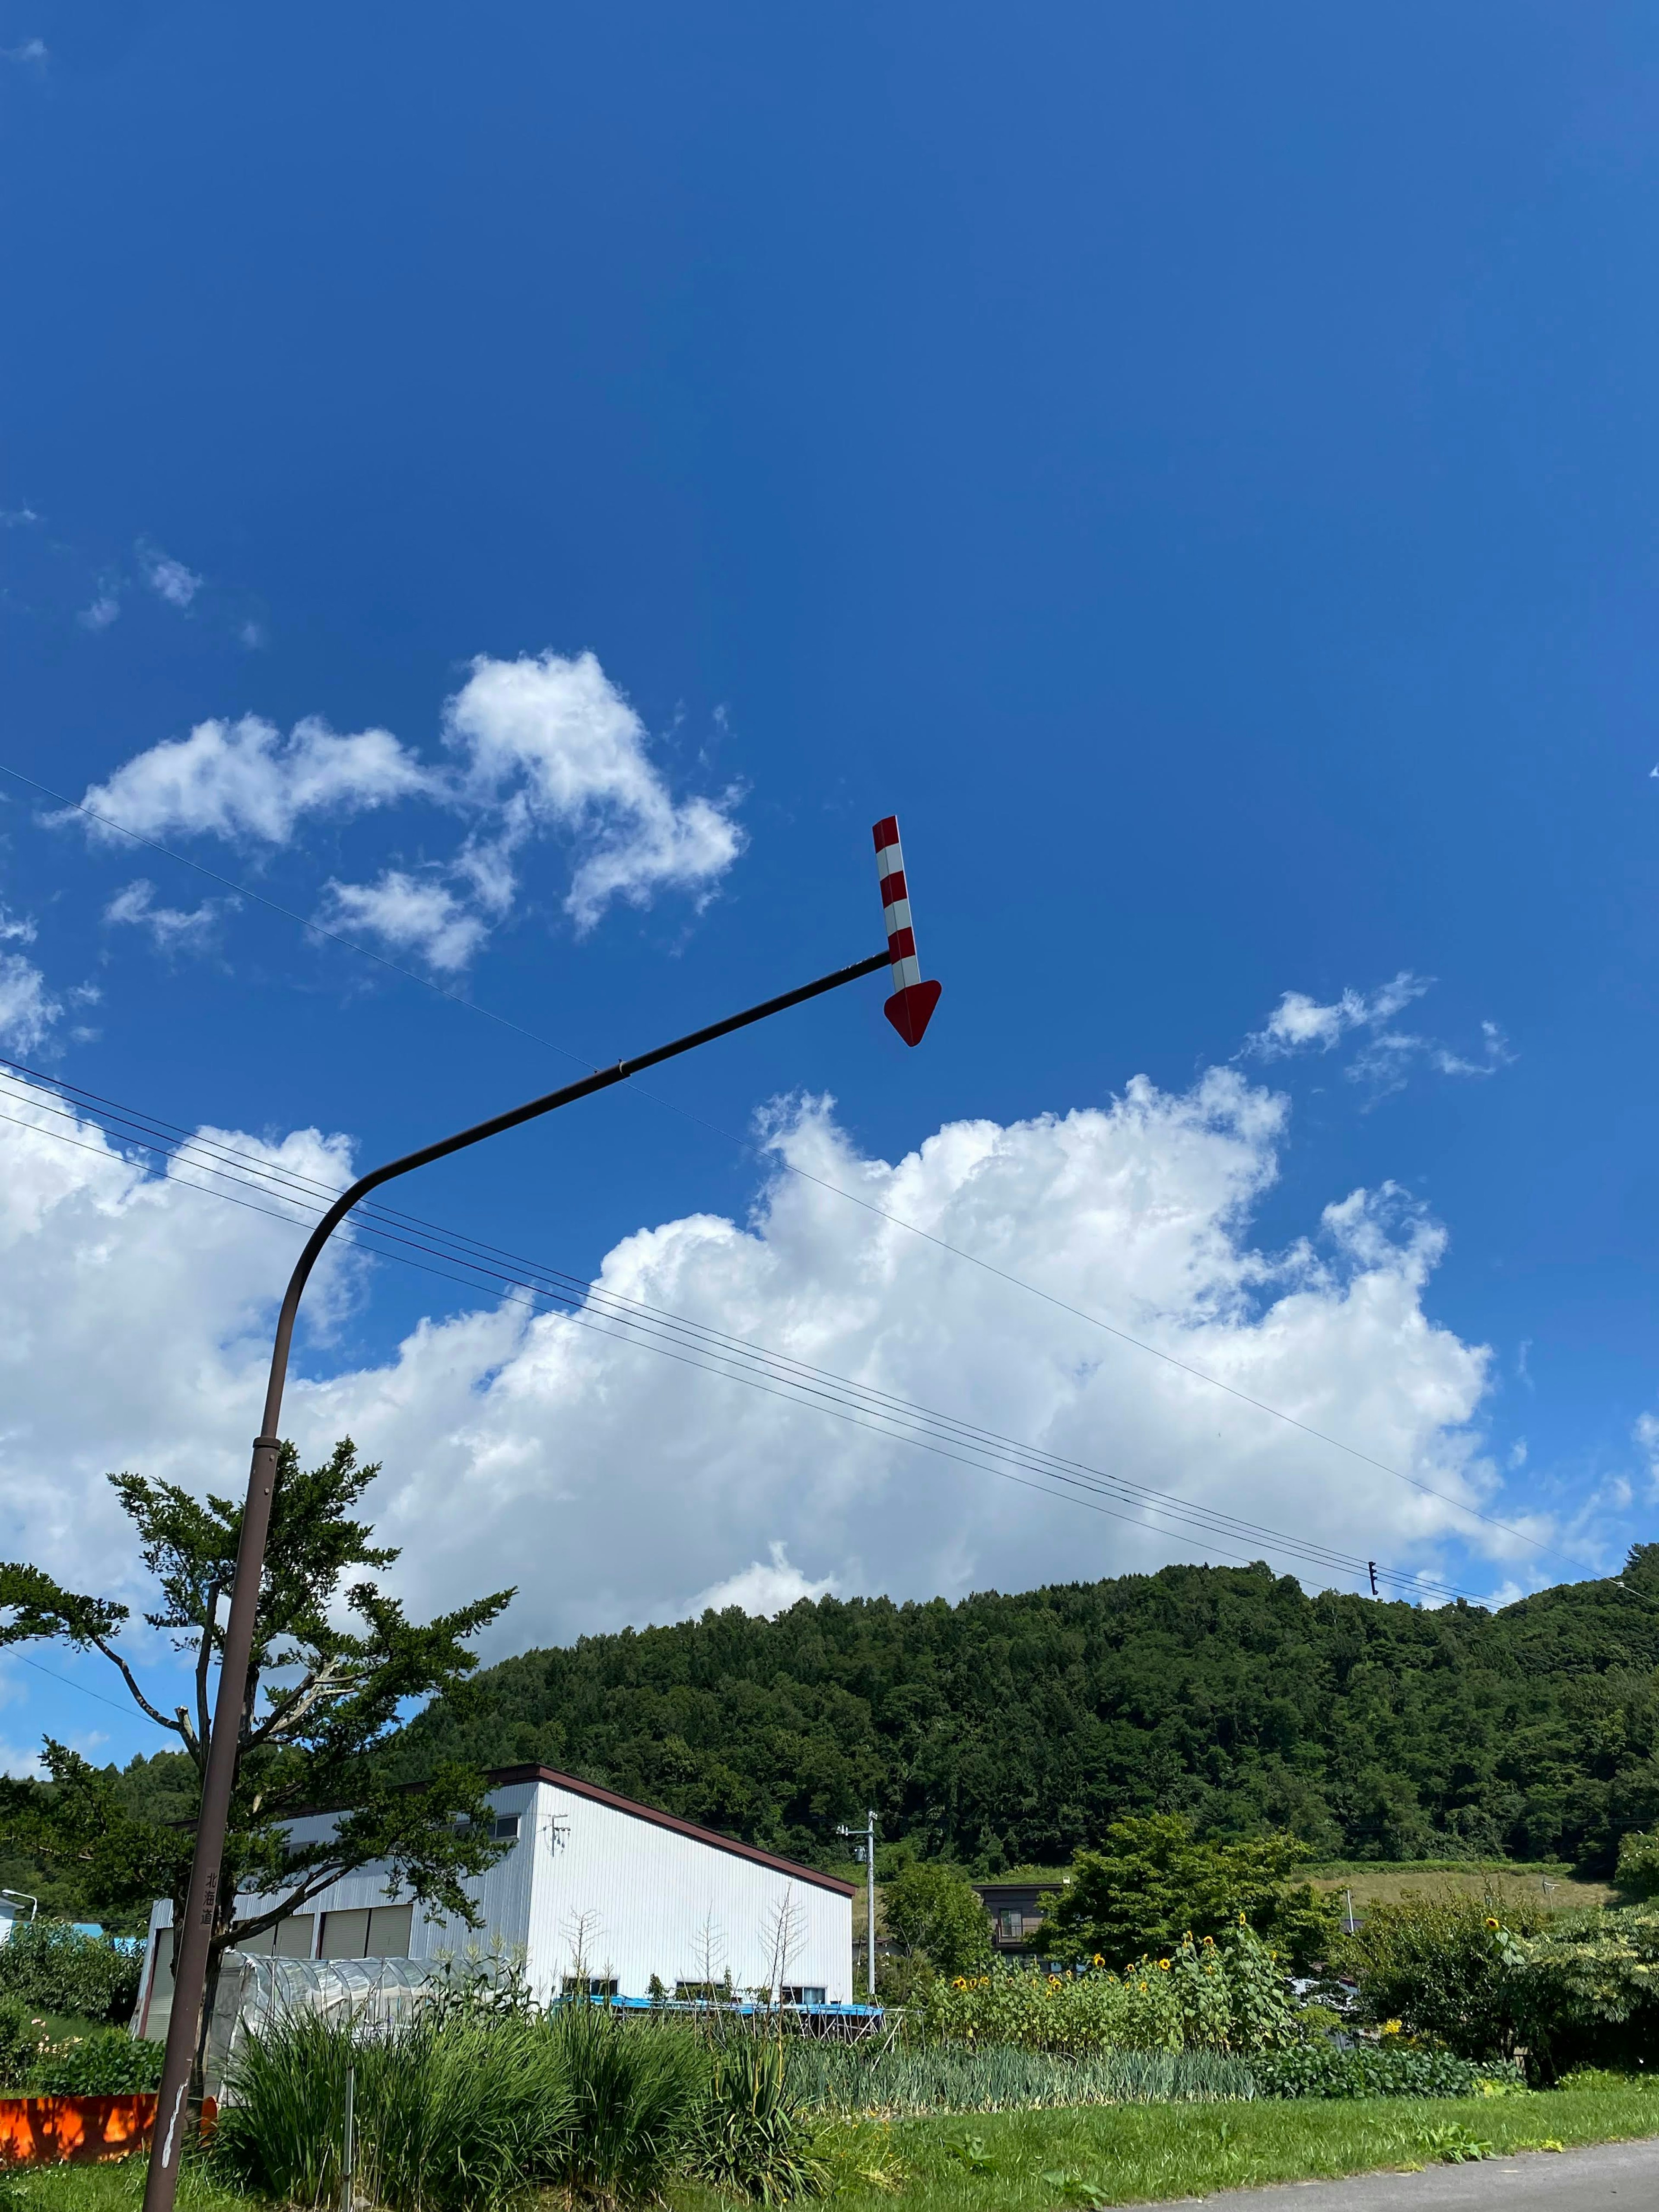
point(592, 1882)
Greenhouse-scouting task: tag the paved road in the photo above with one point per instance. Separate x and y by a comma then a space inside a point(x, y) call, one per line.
point(1625, 2175)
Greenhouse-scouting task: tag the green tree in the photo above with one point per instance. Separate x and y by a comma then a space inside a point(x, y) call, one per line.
point(1639, 1863)
point(1153, 1882)
point(322, 1699)
point(930, 1911)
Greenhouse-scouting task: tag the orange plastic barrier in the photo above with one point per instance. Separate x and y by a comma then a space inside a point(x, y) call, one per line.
point(79, 2131)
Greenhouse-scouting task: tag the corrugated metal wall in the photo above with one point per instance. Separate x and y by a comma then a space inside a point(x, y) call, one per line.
point(638, 1900)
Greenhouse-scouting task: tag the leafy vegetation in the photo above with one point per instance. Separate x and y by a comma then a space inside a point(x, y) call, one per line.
point(465, 2111)
point(752, 2135)
point(52, 1968)
point(1571, 1989)
point(1015, 1729)
point(858, 2080)
point(1153, 1884)
point(108, 2062)
point(932, 1919)
point(1389, 2069)
point(323, 1700)
point(1201, 1995)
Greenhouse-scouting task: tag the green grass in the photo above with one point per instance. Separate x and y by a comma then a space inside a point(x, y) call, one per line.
point(1038, 2161)
point(1132, 2154)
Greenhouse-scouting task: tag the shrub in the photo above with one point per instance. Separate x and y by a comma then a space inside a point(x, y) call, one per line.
point(49, 1966)
point(109, 2063)
point(931, 1910)
point(1153, 1880)
point(1440, 1961)
point(752, 2135)
point(1371, 2069)
point(1584, 1985)
point(1638, 1863)
point(19, 2041)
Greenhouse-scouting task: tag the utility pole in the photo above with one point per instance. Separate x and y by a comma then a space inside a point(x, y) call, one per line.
point(908, 1009)
point(866, 1851)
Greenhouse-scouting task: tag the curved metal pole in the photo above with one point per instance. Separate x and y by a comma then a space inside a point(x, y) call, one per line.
point(195, 1939)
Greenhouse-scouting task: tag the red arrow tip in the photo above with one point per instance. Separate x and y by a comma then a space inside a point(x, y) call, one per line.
point(910, 1010)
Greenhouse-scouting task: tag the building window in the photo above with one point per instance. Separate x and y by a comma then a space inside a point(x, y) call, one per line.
point(588, 1986)
point(504, 1828)
point(802, 1993)
point(379, 1931)
point(1011, 1927)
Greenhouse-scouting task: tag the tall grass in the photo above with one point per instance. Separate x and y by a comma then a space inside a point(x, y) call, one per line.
point(460, 2113)
point(856, 2079)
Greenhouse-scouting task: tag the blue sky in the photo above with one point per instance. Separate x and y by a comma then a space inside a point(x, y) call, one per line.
point(1196, 467)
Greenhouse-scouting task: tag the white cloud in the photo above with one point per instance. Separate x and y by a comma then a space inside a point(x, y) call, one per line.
point(414, 914)
point(101, 613)
point(1299, 1021)
point(32, 50)
point(134, 1321)
point(552, 742)
point(765, 1587)
point(1386, 1057)
point(172, 929)
point(27, 1009)
point(16, 928)
point(168, 579)
point(16, 517)
point(245, 780)
point(536, 747)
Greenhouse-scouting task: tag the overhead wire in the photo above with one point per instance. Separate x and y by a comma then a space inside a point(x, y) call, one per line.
point(960, 1252)
point(431, 1249)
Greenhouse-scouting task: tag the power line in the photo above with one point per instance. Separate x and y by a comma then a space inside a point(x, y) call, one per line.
point(973, 1259)
point(645, 1327)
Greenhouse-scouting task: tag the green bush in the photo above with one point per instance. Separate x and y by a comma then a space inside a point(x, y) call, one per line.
point(51, 1966)
point(1440, 1961)
point(1587, 1987)
point(1371, 2070)
point(932, 1912)
point(109, 2063)
point(1152, 1881)
point(19, 2041)
point(752, 2136)
point(1638, 1863)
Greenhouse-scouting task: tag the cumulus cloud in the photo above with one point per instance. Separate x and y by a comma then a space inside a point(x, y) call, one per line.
point(413, 914)
point(536, 748)
point(101, 613)
point(1299, 1023)
point(27, 1009)
point(133, 1321)
point(170, 928)
point(764, 1587)
point(168, 579)
point(552, 741)
point(1386, 1055)
point(244, 779)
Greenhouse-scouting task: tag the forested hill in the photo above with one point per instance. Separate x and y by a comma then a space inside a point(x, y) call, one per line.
point(1009, 1730)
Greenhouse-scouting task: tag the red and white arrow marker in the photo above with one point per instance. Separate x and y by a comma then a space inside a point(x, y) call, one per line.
point(911, 1006)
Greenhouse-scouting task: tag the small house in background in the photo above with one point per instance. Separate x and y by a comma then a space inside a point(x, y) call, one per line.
point(595, 1892)
point(1018, 1909)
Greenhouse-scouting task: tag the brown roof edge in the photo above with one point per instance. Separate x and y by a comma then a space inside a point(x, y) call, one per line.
point(500, 1776)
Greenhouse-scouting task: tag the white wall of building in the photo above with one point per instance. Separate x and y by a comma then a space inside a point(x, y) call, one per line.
point(639, 1896)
